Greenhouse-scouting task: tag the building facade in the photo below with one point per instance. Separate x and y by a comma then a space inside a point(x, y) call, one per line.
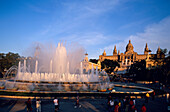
point(87, 65)
point(130, 56)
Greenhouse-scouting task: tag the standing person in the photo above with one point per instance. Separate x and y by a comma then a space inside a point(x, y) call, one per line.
point(127, 104)
point(143, 108)
point(116, 109)
point(153, 95)
point(147, 97)
point(77, 102)
point(167, 97)
point(124, 104)
point(38, 105)
point(109, 98)
point(56, 104)
point(134, 102)
point(28, 103)
point(120, 105)
point(133, 108)
point(130, 104)
point(111, 104)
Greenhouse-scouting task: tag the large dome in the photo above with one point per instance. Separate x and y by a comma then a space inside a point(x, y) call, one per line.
point(129, 47)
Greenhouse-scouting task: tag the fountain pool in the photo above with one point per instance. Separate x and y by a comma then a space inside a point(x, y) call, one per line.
point(57, 71)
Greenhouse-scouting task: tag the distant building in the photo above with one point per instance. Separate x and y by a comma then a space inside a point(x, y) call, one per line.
point(87, 65)
point(129, 56)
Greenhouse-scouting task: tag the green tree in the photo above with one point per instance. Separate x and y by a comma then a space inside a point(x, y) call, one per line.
point(160, 73)
point(165, 70)
point(139, 68)
point(163, 53)
point(8, 60)
point(93, 60)
point(109, 65)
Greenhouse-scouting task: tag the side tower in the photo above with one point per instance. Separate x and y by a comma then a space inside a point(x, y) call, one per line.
point(115, 51)
point(146, 50)
point(104, 53)
point(86, 58)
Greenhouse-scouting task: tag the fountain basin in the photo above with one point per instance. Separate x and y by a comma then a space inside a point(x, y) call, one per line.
point(71, 87)
point(39, 93)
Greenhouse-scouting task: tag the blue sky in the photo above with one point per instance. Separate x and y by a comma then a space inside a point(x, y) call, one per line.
point(94, 24)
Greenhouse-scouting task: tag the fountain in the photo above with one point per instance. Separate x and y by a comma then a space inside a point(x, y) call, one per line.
point(58, 71)
point(55, 70)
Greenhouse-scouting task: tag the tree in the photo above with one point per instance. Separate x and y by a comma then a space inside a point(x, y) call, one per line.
point(159, 73)
point(109, 65)
point(164, 51)
point(93, 60)
point(139, 68)
point(8, 60)
point(163, 65)
point(165, 70)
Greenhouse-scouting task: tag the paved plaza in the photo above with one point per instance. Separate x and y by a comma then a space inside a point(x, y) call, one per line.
point(87, 105)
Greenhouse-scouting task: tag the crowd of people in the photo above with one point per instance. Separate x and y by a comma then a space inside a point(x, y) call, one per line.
point(55, 101)
point(124, 105)
point(114, 105)
point(38, 105)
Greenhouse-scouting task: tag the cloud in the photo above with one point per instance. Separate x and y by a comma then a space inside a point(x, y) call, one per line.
point(134, 23)
point(93, 42)
point(76, 15)
point(101, 6)
point(91, 8)
point(37, 9)
point(155, 35)
point(87, 39)
point(94, 6)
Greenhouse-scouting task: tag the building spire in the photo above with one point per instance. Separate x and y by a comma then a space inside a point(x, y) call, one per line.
point(114, 51)
point(118, 52)
point(104, 53)
point(86, 57)
point(146, 47)
point(159, 50)
point(146, 50)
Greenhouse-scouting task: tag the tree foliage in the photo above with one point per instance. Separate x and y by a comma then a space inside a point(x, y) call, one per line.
point(8, 60)
point(164, 71)
point(93, 60)
point(109, 65)
point(164, 51)
point(160, 73)
point(139, 69)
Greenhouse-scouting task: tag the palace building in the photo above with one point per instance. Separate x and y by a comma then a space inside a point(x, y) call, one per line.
point(130, 56)
point(125, 59)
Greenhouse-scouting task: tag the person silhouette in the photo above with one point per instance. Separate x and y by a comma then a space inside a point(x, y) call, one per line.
point(56, 104)
point(28, 104)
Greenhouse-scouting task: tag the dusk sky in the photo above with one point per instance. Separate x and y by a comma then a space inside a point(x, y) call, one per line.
point(94, 24)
